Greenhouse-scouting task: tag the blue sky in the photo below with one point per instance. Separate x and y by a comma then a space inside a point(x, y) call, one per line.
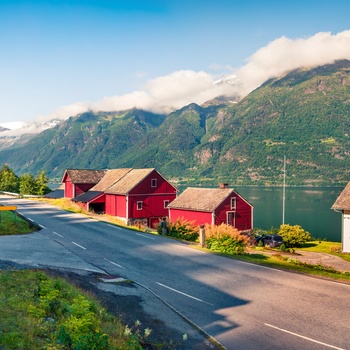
point(62, 53)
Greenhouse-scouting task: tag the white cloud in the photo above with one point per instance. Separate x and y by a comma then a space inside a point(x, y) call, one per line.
point(175, 90)
point(285, 54)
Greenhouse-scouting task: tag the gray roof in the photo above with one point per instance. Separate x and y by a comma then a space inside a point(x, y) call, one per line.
point(343, 201)
point(85, 176)
point(110, 178)
point(87, 196)
point(129, 181)
point(201, 199)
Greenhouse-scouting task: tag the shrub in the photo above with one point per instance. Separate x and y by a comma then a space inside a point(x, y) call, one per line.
point(294, 236)
point(181, 229)
point(225, 239)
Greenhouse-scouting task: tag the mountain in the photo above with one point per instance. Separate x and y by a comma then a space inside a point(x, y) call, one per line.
point(303, 115)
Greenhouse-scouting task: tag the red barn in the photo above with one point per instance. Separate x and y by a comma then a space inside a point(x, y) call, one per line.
point(77, 181)
point(212, 206)
point(95, 198)
point(133, 195)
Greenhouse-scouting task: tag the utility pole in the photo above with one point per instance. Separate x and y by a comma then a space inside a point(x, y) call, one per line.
point(284, 190)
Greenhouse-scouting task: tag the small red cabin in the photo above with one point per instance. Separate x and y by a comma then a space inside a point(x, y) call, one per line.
point(77, 181)
point(213, 206)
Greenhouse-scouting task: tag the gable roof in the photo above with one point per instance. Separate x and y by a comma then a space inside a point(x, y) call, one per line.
point(84, 176)
point(129, 181)
point(343, 201)
point(110, 178)
point(201, 199)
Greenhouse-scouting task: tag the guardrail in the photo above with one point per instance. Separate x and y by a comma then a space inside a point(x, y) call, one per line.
point(19, 195)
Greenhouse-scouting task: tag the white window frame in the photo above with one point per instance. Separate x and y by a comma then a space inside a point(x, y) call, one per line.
point(166, 203)
point(139, 205)
point(153, 182)
point(233, 203)
point(234, 218)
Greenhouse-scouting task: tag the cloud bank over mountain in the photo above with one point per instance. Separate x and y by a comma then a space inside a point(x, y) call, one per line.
point(175, 90)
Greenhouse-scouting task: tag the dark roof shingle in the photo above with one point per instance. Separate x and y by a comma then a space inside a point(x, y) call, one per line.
point(129, 181)
point(85, 176)
point(110, 178)
point(343, 201)
point(201, 199)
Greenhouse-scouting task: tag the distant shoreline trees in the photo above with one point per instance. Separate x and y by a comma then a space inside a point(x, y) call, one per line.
point(25, 184)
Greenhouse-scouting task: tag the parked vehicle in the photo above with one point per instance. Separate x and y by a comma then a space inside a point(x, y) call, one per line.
point(271, 241)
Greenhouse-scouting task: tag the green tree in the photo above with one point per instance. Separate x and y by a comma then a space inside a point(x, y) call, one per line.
point(9, 182)
point(27, 184)
point(293, 236)
point(41, 184)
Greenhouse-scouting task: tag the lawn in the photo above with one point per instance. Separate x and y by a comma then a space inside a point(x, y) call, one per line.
point(43, 312)
point(12, 223)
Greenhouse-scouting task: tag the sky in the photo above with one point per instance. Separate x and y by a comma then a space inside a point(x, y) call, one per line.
point(59, 58)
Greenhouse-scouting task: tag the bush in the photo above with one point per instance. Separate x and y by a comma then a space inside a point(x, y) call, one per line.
point(181, 229)
point(225, 239)
point(294, 236)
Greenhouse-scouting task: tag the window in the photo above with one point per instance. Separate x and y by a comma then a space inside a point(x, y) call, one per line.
point(166, 203)
point(139, 205)
point(153, 182)
point(233, 203)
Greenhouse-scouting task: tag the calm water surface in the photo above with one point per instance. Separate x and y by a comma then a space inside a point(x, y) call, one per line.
point(307, 207)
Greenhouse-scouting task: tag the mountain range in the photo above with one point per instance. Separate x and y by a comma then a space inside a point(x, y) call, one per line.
point(303, 116)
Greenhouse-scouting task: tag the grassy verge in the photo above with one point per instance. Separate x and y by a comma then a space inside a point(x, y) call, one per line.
point(294, 265)
point(41, 312)
point(12, 223)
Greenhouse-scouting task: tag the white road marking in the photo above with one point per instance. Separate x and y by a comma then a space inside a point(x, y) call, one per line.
point(57, 234)
point(43, 227)
point(80, 246)
point(187, 295)
point(303, 337)
point(145, 236)
point(113, 263)
point(119, 228)
point(30, 219)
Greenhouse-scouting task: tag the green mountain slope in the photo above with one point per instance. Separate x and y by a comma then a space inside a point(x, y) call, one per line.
point(304, 116)
point(90, 140)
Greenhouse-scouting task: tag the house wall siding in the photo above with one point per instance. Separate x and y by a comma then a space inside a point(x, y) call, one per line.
point(199, 217)
point(68, 189)
point(243, 213)
point(152, 205)
point(115, 205)
point(82, 188)
point(163, 186)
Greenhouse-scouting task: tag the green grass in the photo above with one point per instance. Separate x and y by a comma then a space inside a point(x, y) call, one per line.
point(41, 312)
point(12, 224)
point(333, 248)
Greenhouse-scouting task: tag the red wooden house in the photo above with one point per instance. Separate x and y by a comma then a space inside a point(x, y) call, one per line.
point(95, 198)
point(213, 206)
point(77, 181)
point(132, 195)
point(141, 196)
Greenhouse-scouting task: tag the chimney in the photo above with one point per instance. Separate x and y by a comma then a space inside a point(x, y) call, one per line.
point(223, 185)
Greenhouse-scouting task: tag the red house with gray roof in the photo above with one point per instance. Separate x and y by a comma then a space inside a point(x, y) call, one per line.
point(77, 181)
point(213, 206)
point(136, 196)
point(342, 204)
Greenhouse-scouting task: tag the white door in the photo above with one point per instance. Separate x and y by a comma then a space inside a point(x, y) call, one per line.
point(346, 233)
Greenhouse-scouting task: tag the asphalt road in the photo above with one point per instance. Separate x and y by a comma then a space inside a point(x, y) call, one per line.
point(243, 306)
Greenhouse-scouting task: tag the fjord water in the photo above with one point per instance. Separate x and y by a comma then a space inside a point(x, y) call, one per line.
point(308, 207)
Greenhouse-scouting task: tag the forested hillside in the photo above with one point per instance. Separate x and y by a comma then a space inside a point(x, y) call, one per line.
point(304, 116)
